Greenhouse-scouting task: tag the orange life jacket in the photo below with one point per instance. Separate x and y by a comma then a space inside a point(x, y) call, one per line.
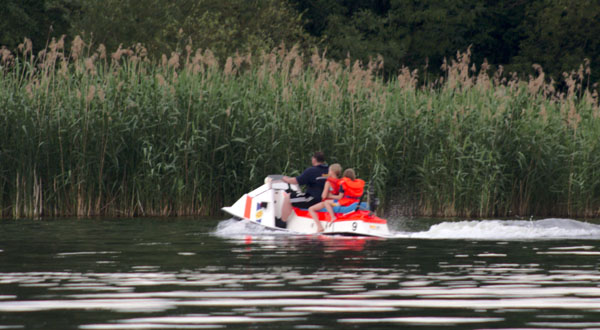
point(353, 190)
point(335, 185)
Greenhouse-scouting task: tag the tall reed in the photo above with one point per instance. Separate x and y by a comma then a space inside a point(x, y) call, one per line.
point(84, 132)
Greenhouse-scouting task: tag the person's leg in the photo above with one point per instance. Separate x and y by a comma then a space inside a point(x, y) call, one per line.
point(313, 213)
point(313, 210)
point(329, 206)
point(294, 199)
point(286, 208)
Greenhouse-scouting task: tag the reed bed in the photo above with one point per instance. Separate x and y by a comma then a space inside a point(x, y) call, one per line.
point(84, 132)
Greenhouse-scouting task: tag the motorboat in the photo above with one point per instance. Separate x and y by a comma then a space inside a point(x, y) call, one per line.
point(263, 206)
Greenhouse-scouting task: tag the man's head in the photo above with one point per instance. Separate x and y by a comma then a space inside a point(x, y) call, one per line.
point(318, 158)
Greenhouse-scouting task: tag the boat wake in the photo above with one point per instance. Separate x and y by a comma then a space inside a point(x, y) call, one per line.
point(232, 228)
point(546, 229)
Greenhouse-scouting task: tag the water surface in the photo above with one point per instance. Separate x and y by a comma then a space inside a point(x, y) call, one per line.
point(197, 273)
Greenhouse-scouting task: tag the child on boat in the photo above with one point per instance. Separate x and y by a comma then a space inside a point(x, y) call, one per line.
point(331, 189)
point(351, 189)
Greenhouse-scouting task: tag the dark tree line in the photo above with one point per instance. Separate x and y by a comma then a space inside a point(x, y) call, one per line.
point(557, 34)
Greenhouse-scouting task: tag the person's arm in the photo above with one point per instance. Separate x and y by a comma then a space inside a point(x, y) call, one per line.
point(339, 195)
point(325, 191)
point(290, 180)
point(301, 179)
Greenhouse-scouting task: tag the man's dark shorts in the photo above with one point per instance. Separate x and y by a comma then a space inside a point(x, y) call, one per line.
point(302, 200)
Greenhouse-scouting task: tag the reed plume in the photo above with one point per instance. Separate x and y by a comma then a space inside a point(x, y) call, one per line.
point(87, 133)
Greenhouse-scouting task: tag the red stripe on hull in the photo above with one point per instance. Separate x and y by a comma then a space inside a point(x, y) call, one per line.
point(248, 207)
point(352, 216)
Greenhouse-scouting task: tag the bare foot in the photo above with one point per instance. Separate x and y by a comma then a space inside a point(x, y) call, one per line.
point(320, 229)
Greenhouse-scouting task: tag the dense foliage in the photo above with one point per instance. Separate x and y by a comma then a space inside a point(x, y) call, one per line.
point(516, 34)
point(86, 132)
point(556, 34)
point(177, 107)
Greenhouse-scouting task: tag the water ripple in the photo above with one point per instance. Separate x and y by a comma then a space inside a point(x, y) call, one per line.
point(219, 281)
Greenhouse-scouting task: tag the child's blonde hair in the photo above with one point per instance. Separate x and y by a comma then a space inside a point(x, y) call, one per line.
point(337, 169)
point(349, 173)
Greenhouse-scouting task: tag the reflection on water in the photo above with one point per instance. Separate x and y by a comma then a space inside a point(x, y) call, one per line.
point(204, 274)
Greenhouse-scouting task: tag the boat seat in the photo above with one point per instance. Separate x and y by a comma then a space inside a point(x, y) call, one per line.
point(345, 209)
point(364, 206)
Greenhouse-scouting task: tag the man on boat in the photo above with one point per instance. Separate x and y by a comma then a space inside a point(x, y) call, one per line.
point(314, 179)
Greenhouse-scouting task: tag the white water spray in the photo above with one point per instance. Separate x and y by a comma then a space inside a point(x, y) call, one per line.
point(546, 229)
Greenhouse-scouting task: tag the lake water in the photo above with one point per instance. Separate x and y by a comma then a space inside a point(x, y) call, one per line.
point(194, 273)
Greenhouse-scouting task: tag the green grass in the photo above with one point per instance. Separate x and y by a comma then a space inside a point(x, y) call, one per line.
point(130, 137)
